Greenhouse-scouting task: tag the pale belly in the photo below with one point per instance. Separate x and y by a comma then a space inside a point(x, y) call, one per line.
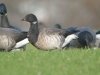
point(47, 42)
point(6, 42)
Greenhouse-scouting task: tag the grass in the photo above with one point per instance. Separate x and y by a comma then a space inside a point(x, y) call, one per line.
point(37, 62)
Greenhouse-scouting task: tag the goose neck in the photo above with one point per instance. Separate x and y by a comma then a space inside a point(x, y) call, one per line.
point(33, 32)
point(4, 21)
point(34, 28)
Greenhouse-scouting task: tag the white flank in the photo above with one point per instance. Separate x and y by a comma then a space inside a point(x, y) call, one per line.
point(21, 43)
point(98, 36)
point(68, 39)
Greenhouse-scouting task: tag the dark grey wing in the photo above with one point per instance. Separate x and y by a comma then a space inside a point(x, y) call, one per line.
point(53, 31)
point(17, 35)
point(73, 29)
point(68, 31)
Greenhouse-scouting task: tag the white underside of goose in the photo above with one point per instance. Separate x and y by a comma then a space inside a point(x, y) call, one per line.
point(68, 39)
point(21, 43)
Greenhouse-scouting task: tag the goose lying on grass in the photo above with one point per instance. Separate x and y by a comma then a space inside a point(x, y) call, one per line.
point(86, 37)
point(48, 38)
point(9, 31)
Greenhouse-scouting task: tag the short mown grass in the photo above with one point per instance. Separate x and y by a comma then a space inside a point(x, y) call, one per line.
point(56, 62)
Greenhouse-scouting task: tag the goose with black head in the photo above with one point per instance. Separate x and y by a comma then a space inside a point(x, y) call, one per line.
point(13, 33)
point(48, 38)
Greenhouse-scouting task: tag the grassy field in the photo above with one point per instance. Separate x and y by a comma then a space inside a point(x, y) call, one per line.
point(37, 62)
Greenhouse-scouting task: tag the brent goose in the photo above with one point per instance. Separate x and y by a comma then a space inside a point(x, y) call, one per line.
point(17, 35)
point(47, 38)
point(86, 38)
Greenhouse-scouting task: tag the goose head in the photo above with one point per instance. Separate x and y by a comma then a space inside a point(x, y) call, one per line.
point(33, 29)
point(31, 18)
point(58, 26)
point(3, 9)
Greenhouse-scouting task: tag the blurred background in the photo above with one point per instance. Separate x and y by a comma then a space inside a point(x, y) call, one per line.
point(65, 12)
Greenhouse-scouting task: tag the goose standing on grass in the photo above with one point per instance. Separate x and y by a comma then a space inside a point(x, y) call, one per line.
point(48, 38)
point(13, 36)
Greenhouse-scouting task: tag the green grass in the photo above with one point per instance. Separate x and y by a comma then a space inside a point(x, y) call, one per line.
point(37, 62)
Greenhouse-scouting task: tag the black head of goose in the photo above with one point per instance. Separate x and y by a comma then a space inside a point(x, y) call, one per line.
point(4, 18)
point(48, 38)
point(58, 26)
point(15, 33)
point(3, 9)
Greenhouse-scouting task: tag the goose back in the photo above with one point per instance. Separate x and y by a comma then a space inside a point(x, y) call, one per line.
point(13, 33)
